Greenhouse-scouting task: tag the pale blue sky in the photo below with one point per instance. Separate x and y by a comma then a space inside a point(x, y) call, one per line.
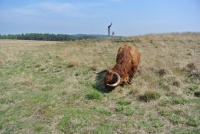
point(129, 17)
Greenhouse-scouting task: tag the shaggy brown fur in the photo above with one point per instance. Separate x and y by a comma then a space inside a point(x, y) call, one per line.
point(127, 61)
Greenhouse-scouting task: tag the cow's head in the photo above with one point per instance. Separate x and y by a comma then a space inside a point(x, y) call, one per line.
point(111, 79)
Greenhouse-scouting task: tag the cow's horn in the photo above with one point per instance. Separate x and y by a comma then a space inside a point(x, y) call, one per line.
point(105, 70)
point(117, 82)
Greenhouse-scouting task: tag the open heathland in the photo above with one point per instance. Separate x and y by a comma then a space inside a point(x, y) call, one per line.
point(51, 87)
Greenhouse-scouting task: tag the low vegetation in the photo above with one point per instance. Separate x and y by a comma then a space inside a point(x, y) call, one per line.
point(48, 37)
point(50, 87)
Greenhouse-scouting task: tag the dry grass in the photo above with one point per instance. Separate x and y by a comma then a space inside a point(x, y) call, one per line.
point(50, 87)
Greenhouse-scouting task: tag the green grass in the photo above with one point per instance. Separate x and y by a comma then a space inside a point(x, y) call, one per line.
point(50, 87)
point(125, 110)
point(163, 84)
point(123, 102)
point(74, 119)
point(94, 95)
point(104, 111)
point(193, 88)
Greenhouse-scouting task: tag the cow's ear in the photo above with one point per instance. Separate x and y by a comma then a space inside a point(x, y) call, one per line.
point(110, 72)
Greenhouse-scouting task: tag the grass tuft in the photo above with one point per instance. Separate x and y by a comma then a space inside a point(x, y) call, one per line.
point(105, 112)
point(178, 100)
point(123, 102)
point(190, 68)
point(150, 95)
point(176, 83)
point(38, 128)
point(193, 87)
point(125, 110)
point(134, 92)
point(164, 85)
point(162, 72)
point(94, 95)
point(72, 63)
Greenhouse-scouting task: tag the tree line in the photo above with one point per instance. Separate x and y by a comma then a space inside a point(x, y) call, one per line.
point(46, 37)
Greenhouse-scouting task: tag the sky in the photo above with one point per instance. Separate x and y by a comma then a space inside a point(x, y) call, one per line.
point(128, 17)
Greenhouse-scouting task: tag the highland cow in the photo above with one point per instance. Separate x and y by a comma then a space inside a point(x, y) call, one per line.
point(127, 61)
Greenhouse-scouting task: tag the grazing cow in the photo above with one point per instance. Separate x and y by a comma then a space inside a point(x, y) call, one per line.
point(128, 59)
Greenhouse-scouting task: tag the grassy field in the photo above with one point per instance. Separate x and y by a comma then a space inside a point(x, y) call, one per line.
point(50, 87)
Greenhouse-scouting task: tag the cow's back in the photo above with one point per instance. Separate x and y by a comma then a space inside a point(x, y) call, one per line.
point(129, 57)
point(125, 53)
